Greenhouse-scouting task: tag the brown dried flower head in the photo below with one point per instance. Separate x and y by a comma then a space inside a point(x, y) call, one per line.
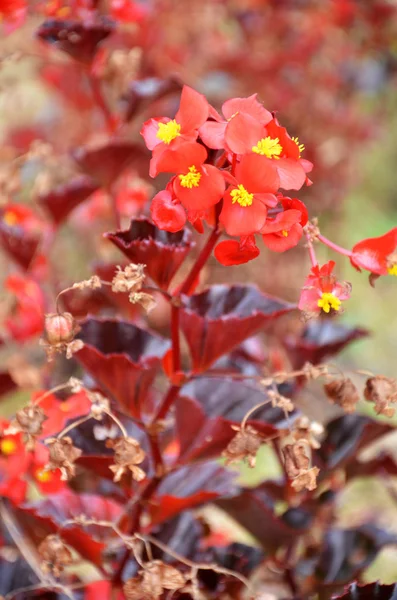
point(382, 391)
point(314, 371)
point(127, 455)
point(145, 300)
point(244, 446)
point(128, 280)
point(93, 283)
point(157, 577)
point(63, 456)
point(344, 393)
point(297, 466)
point(308, 431)
point(54, 554)
point(279, 401)
point(29, 420)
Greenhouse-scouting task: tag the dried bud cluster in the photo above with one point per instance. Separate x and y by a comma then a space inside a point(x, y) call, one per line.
point(29, 420)
point(63, 455)
point(344, 393)
point(297, 466)
point(93, 283)
point(127, 455)
point(60, 329)
point(153, 580)
point(314, 371)
point(279, 401)
point(382, 391)
point(244, 446)
point(308, 431)
point(129, 280)
point(54, 554)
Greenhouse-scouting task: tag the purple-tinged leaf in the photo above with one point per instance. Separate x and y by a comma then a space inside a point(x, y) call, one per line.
point(369, 591)
point(60, 201)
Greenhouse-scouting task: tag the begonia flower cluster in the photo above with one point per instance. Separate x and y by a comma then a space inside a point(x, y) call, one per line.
point(234, 169)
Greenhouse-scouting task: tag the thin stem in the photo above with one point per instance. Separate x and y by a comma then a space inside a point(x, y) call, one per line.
point(74, 424)
point(176, 349)
point(118, 423)
point(101, 104)
point(312, 253)
point(53, 390)
point(251, 411)
point(167, 402)
point(200, 262)
point(156, 454)
point(334, 246)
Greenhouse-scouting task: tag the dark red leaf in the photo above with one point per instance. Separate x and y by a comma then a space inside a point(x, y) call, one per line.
point(19, 243)
point(141, 93)
point(382, 464)
point(63, 199)
point(183, 534)
point(123, 359)
point(221, 317)
point(79, 39)
point(189, 487)
point(7, 384)
point(105, 163)
point(162, 252)
point(320, 339)
point(370, 591)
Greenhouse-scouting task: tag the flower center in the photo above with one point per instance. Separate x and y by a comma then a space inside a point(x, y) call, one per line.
point(10, 218)
point(268, 147)
point(43, 476)
point(392, 270)
point(8, 446)
point(241, 196)
point(301, 147)
point(191, 179)
point(328, 301)
point(168, 131)
point(284, 233)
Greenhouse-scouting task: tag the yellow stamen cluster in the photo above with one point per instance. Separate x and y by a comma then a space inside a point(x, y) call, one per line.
point(10, 218)
point(328, 301)
point(300, 146)
point(392, 270)
point(168, 131)
point(284, 233)
point(8, 446)
point(241, 196)
point(43, 476)
point(268, 147)
point(191, 179)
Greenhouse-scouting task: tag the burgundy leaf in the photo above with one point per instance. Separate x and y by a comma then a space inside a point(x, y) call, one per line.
point(382, 464)
point(370, 591)
point(320, 339)
point(123, 359)
point(345, 436)
point(221, 317)
point(7, 384)
point(20, 244)
point(106, 162)
point(188, 487)
point(60, 201)
point(79, 39)
point(183, 534)
point(141, 93)
point(162, 252)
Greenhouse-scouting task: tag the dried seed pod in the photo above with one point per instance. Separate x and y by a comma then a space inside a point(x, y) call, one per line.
point(309, 431)
point(244, 446)
point(63, 456)
point(60, 328)
point(128, 280)
point(145, 300)
point(382, 391)
point(127, 455)
point(29, 421)
point(297, 466)
point(344, 393)
point(306, 480)
point(54, 554)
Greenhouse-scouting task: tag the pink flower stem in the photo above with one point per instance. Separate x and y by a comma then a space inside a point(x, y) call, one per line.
point(312, 254)
point(335, 247)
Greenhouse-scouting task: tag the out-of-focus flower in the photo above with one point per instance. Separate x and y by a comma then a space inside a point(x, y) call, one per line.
point(322, 291)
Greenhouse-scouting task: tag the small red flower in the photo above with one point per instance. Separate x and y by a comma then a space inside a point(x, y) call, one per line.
point(197, 185)
point(377, 255)
point(239, 114)
point(322, 291)
point(232, 252)
point(245, 203)
point(167, 212)
point(284, 231)
point(162, 132)
point(59, 412)
point(27, 317)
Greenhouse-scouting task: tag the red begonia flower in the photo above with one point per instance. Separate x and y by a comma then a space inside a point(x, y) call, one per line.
point(322, 291)
point(232, 252)
point(284, 231)
point(167, 212)
point(296, 204)
point(47, 482)
point(164, 132)
point(245, 203)
point(225, 133)
point(27, 318)
point(12, 13)
point(197, 185)
point(59, 412)
point(377, 255)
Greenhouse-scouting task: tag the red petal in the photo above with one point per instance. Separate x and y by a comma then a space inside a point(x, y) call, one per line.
point(250, 106)
point(193, 110)
point(258, 174)
point(229, 252)
point(213, 134)
point(291, 173)
point(372, 253)
point(280, 243)
point(149, 132)
point(294, 203)
point(167, 213)
point(283, 221)
point(177, 159)
point(209, 191)
point(242, 133)
point(242, 220)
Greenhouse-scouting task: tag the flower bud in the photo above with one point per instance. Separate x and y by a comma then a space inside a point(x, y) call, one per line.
point(60, 328)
